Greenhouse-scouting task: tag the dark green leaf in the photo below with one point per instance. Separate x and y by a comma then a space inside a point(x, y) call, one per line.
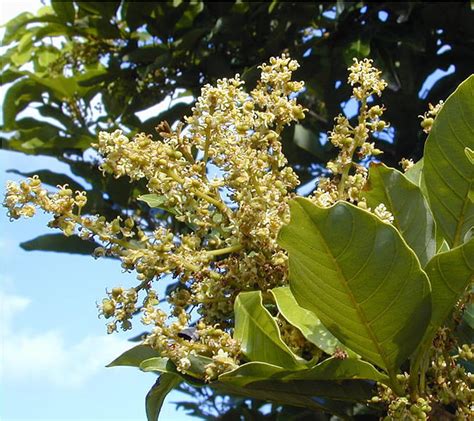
point(64, 10)
point(59, 243)
point(51, 178)
point(156, 396)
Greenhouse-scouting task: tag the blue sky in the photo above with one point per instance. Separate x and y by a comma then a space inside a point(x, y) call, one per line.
point(53, 348)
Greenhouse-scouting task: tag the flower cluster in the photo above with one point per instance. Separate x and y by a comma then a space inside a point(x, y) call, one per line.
point(448, 386)
point(224, 175)
point(349, 175)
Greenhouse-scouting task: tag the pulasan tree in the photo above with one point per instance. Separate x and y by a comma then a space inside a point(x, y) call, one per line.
point(353, 301)
point(91, 66)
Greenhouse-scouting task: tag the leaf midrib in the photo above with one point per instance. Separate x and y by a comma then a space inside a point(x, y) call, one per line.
point(351, 296)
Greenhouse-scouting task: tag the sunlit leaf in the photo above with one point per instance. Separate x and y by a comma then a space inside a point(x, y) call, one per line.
point(447, 172)
point(358, 276)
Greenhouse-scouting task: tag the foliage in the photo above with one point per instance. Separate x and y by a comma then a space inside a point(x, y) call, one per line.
point(374, 315)
point(89, 66)
point(375, 259)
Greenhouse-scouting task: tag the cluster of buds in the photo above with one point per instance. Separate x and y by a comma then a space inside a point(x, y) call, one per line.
point(349, 175)
point(223, 174)
point(449, 383)
point(427, 119)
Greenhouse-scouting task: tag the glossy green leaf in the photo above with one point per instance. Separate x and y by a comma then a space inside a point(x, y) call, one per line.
point(339, 369)
point(306, 321)
point(251, 372)
point(165, 383)
point(258, 332)
point(157, 365)
point(358, 276)
point(134, 356)
point(410, 210)
point(448, 174)
point(450, 274)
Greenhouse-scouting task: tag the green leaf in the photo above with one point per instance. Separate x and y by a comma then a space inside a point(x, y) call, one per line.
point(308, 140)
point(64, 10)
point(251, 372)
point(134, 356)
point(410, 210)
point(258, 332)
point(414, 173)
point(17, 98)
point(337, 369)
point(153, 200)
point(156, 364)
point(356, 49)
point(156, 201)
point(60, 243)
point(310, 395)
point(346, 390)
point(447, 172)
point(306, 321)
point(358, 276)
point(450, 274)
point(331, 369)
point(165, 383)
point(469, 315)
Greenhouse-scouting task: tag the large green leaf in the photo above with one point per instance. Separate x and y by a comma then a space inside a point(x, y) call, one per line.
point(450, 274)
point(339, 369)
point(410, 210)
point(331, 369)
point(258, 332)
point(157, 394)
point(306, 321)
point(358, 276)
point(133, 357)
point(447, 172)
point(251, 372)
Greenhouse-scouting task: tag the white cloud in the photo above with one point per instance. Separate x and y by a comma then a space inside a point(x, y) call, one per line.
point(45, 355)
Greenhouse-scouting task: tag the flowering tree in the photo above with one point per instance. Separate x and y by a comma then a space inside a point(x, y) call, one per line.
point(331, 302)
point(90, 66)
